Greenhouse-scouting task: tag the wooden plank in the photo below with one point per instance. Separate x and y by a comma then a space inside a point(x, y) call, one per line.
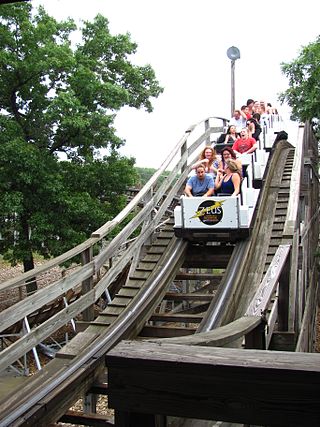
point(82, 325)
point(43, 296)
point(156, 250)
point(166, 332)
point(147, 265)
point(176, 317)
point(117, 305)
point(128, 292)
point(113, 310)
point(137, 283)
point(140, 274)
point(91, 419)
point(122, 300)
point(272, 317)
point(305, 339)
point(175, 296)
point(21, 279)
point(282, 341)
point(162, 242)
point(165, 235)
point(133, 287)
point(38, 334)
point(194, 309)
point(241, 386)
point(152, 258)
point(211, 258)
point(100, 387)
point(293, 292)
point(144, 270)
point(295, 186)
point(199, 276)
point(263, 295)
point(220, 336)
point(71, 350)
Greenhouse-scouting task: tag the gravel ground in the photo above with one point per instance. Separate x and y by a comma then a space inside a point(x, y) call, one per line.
point(9, 297)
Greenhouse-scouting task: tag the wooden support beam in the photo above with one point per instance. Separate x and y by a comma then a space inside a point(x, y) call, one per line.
point(176, 317)
point(207, 256)
point(175, 296)
point(266, 288)
point(257, 387)
point(216, 278)
point(166, 332)
point(95, 420)
point(221, 336)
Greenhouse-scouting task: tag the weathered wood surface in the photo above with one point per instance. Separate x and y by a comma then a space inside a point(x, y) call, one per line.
point(44, 296)
point(264, 293)
point(20, 280)
point(251, 273)
point(102, 232)
point(207, 256)
point(219, 336)
point(96, 420)
point(242, 386)
point(213, 260)
point(214, 277)
point(195, 296)
point(291, 216)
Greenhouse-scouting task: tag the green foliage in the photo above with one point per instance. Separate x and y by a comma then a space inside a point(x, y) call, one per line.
point(303, 95)
point(58, 98)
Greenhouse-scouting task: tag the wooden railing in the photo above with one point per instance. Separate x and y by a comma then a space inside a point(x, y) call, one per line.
point(255, 386)
point(89, 276)
point(292, 277)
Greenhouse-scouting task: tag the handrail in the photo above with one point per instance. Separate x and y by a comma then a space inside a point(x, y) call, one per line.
point(244, 326)
point(262, 297)
point(102, 232)
point(169, 187)
point(293, 204)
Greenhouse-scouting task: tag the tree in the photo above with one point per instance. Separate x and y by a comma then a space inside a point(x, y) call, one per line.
point(303, 94)
point(58, 98)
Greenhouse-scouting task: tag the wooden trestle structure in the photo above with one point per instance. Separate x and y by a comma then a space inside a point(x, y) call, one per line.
point(212, 331)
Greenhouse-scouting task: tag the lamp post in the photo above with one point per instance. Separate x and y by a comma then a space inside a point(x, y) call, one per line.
point(233, 54)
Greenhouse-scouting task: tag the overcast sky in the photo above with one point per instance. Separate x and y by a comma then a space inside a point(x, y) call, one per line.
point(185, 41)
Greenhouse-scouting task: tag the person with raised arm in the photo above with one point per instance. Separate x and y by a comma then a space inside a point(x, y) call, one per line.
point(239, 120)
point(208, 159)
point(226, 154)
point(228, 183)
point(245, 144)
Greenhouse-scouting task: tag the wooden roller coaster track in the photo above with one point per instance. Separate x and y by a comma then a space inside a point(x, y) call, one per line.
point(176, 292)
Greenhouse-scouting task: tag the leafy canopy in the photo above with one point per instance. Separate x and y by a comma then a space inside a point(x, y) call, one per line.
point(60, 98)
point(303, 94)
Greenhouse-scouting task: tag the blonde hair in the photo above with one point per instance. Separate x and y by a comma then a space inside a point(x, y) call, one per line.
point(232, 165)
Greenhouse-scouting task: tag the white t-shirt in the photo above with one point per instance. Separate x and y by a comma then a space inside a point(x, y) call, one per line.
point(239, 123)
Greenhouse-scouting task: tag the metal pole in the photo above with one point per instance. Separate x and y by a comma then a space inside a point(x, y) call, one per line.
point(232, 87)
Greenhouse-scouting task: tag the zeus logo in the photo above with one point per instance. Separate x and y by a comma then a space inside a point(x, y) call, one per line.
point(215, 209)
point(209, 212)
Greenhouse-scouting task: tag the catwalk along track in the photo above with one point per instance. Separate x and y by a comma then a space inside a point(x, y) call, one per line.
point(148, 284)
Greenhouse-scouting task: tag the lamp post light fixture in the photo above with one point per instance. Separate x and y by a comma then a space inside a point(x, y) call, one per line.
point(233, 54)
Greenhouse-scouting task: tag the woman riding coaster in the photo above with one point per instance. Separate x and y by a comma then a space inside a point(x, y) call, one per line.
point(229, 182)
point(208, 158)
